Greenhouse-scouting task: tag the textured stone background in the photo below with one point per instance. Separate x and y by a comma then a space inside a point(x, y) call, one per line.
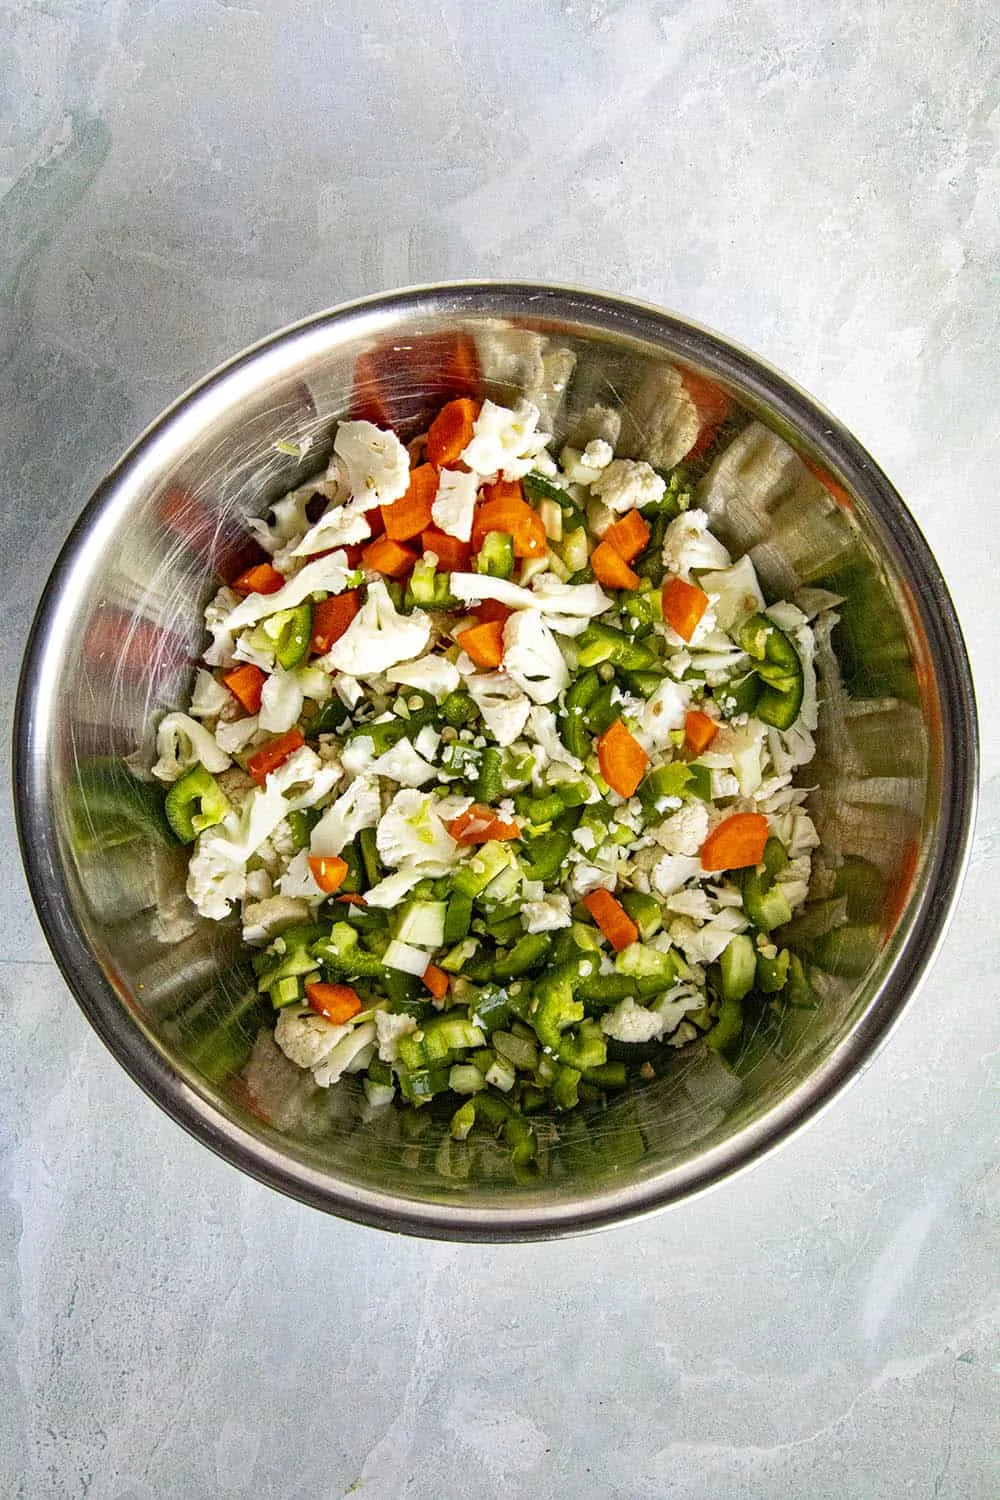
point(822, 182)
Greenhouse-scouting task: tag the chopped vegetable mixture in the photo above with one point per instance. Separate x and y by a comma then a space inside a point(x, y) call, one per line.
point(493, 754)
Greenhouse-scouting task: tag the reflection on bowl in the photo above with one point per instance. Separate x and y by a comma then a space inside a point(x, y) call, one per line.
point(119, 628)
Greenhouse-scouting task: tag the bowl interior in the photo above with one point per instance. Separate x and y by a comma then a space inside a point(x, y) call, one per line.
point(120, 629)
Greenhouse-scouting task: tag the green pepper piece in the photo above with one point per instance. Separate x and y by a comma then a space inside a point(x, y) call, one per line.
point(291, 645)
point(459, 709)
point(700, 784)
point(496, 555)
point(489, 783)
point(669, 780)
point(546, 854)
point(527, 953)
point(194, 803)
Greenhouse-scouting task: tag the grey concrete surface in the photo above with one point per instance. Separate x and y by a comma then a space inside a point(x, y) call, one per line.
point(820, 181)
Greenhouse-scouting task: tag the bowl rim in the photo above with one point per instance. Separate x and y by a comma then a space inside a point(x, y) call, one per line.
point(922, 933)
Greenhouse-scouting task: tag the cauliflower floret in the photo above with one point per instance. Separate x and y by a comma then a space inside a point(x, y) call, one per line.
point(262, 919)
point(411, 832)
point(568, 608)
point(336, 527)
point(548, 914)
point(379, 637)
point(629, 1022)
point(673, 871)
point(598, 454)
point(703, 945)
point(378, 466)
point(627, 484)
point(280, 701)
point(430, 674)
point(357, 808)
point(455, 502)
point(504, 707)
point(532, 657)
point(794, 880)
point(688, 544)
point(389, 892)
point(181, 742)
point(306, 1038)
point(585, 877)
point(505, 441)
point(389, 1029)
point(209, 697)
point(346, 1056)
point(329, 574)
point(685, 831)
point(663, 712)
point(218, 623)
point(235, 734)
point(404, 764)
point(545, 738)
point(289, 519)
point(296, 880)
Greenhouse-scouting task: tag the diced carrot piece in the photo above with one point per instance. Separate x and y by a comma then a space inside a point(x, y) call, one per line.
point(622, 759)
point(628, 536)
point(712, 405)
point(453, 556)
point(331, 618)
point(352, 898)
point(612, 918)
point(480, 825)
point(375, 521)
point(408, 516)
point(338, 1002)
point(683, 606)
point(393, 383)
point(246, 683)
point(274, 754)
point(484, 643)
point(492, 609)
point(436, 981)
point(452, 431)
point(735, 843)
point(328, 871)
point(504, 508)
point(390, 558)
point(611, 569)
point(262, 579)
point(699, 730)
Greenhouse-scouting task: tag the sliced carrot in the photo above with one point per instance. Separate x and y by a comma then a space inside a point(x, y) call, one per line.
point(408, 516)
point(611, 569)
point(338, 1002)
point(628, 536)
point(480, 825)
point(274, 754)
point(436, 981)
point(246, 683)
point(452, 431)
point(328, 871)
point(504, 508)
point(352, 898)
point(390, 558)
point(683, 606)
point(713, 406)
point(612, 918)
point(735, 843)
point(453, 556)
point(699, 730)
point(492, 609)
point(622, 759)
point(262, 579)
point(484, 643)
point(331, 618)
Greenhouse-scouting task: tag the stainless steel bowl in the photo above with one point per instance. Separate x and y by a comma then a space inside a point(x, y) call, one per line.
point(118, 629)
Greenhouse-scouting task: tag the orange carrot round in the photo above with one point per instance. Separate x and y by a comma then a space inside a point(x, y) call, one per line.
point(683, 606)
point(452, 431)
point(735, 843)
point(622, 759)
point(504, 508)
point(338, 1002)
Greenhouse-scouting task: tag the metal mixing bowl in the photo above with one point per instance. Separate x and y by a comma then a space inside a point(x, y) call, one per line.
point(119, 627)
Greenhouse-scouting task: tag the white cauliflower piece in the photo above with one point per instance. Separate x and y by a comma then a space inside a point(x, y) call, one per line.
point(307, 1038)
point(547, 914)
point(735, 592)
point(674, 871)
point(389, 1029)
point(662, 712)
point(209, 697)
point(533, 659)
point(289, 519)
point(181, 742)
point(348, 1050)
point(357, 808)
point(629, 1022)
point(404, 764)
point(379, 637)
point(545, 738)
point(794, 880)
point(280, 701)
point(688, 544)
point(598, 454)
point(454, 504)
point(378, 466)
point(411, 832)
point(329, 575)
point(474, 588)
point(336, 527)
point(504, 707)
point(390, 891)
point(429, 674)
point(585, 877)
point(233, 735)
point(505, 441)
point(684, 831)
point(703, 945)
point(628, 484)
point(568, 608)
point(218, 613)
point(296, 881)
point(262, 919)
point(348, 689)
